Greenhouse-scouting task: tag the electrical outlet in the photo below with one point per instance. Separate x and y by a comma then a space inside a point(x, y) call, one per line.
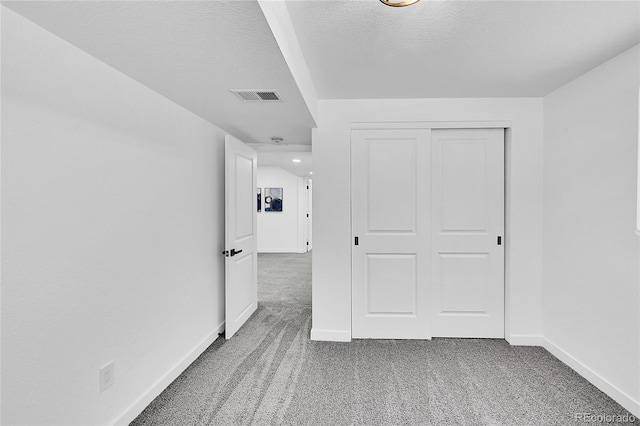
point(107, 376)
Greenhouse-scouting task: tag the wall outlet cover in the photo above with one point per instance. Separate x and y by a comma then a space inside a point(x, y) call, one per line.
point(107, 376)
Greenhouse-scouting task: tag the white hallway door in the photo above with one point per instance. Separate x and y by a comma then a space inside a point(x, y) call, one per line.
point(241, 263)
point(427, 211)
point(310, 216)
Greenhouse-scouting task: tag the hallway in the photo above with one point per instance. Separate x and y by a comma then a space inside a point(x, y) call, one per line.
point(285, 277)
point(271, 373)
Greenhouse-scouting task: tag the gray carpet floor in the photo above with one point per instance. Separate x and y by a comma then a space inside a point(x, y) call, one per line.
point(271, 373)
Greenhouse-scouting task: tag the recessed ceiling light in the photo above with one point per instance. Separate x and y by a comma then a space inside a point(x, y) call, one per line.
point(310, 173)
point(295, 160)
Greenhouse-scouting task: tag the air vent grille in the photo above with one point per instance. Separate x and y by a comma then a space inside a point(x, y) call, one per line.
point(257, 95)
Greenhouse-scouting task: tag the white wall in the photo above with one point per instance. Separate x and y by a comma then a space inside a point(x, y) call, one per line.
point(112, 215)
point(282, 232)
point(591, 299)
point(332, 222)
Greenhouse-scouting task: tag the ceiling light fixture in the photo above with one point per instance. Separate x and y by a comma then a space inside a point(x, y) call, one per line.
point(295, 160)
point(399, 3)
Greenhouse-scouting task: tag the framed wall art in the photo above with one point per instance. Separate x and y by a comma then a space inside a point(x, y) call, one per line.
point(273, 199)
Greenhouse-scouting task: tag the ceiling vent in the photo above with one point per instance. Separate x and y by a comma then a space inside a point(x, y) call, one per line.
point(257, 95)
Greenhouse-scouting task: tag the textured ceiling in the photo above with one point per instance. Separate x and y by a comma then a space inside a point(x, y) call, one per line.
point(193, 52)
point(190, 52)
point(440, 49)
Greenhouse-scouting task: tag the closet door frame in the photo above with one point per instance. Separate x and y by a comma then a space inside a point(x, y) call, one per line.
point(429, 125)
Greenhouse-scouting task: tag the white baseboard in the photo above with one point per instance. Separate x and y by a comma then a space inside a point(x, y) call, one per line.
point(156, 389)
point(331, 335)
point(598, 381)
point(267, 250)
point(525, 340)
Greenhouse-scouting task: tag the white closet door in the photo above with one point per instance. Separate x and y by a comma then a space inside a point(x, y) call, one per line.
point(391, 220)
point(467, 223)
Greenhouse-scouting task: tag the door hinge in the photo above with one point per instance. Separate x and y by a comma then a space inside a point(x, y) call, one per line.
point(307, 214)
point(499, 240)
point(356, 241)
point(307, 186)
point(307, 242)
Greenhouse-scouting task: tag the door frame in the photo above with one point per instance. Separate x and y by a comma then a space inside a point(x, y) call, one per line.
point(497, 124)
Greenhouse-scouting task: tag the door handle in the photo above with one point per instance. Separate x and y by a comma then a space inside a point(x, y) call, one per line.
point(231, 253)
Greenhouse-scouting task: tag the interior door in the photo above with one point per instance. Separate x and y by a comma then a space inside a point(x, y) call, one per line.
point(241, 265)
point(468, 232)
point(390, 219)
point(310, 216)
